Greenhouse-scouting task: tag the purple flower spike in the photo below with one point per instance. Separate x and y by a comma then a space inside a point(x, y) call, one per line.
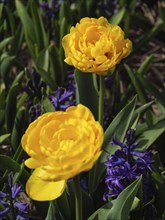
point(64, 96)
point(125, 166)
point(9, 200)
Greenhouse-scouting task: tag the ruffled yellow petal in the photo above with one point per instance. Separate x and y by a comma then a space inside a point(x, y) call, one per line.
point(32, 163)
point(98, 52)
point(41, 190)
point(60, 145)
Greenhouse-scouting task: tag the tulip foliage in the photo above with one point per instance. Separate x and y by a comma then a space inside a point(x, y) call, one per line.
point(82, 109)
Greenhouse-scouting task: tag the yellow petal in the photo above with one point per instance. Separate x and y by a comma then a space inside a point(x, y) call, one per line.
point(32, 163)
point(41, 190)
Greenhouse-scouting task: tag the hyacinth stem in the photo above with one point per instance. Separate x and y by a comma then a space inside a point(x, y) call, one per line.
point(101, 100)
point(78, 198)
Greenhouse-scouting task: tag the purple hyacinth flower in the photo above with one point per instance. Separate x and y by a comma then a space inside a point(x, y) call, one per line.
point(9, 200)
point(125, 165)
point(64, 96)
point(46, 10)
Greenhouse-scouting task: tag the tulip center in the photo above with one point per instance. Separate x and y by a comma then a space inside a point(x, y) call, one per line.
point(108, 55)
point(92, 35)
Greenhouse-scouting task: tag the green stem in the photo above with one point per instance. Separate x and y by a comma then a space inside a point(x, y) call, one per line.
point(101, 100)
point(78, 198)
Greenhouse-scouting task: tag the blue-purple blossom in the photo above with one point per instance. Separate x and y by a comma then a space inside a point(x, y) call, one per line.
point(34, 112)
point(64, 96)
point(125, 165)
point(34, 87)
point(10, 200)
point(50, 9)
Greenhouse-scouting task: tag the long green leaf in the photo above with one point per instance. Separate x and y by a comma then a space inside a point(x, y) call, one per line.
point(28, 27)
point(140, 111)
point(118, 127)
point(144, 67)
point(17, 41)
point(56, 65)
point(53, 213)
point(43, 60)
point(147, 138)
point(157, 27)
point(86, 91)
point(18, 128)
point(122, 205)
point(101, 213)
point(5, 65)
point(137, 85)
point(40, 33)
point(119, 208)
point(11, 106)
point(46, 77)
point(117, 18)
point(12, 101)
point(7, 163)
point(4, 137)
point(11, 19)
point(152, 89)
point(5, 42)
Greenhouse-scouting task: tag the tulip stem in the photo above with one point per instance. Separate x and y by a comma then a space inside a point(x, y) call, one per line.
point(101, 100)
point(78, 198)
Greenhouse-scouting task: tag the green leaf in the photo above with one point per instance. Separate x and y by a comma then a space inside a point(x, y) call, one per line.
point(11, 101)
point(159, 184)
point(1, 9)
point(46, 77)
point(101, 213)
point(41, 37)
point(152, 89)
point(17, 41)
point(138, 87)
point(63, 204)
point(162, 12)
point(55, 66)
point(90, 6)
point(10, 19)
point(118, 127)
point(140, 111)
point(6, 163)
point(122, 205)
point(157, 27)
point(135, 204)
point(64, 29)
point(5, 42)
point(28, 26)
point(119, 209)
point(18, 78)
point(147, 138)
point(86, 91)
point(144, 67)
point(65, 12)
point(42, 61)
point(53, 213)
point(117, 18)
point(11, 106)
point(5, 66)
point(4, 137)
point(18, 128)
point(47, 105)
